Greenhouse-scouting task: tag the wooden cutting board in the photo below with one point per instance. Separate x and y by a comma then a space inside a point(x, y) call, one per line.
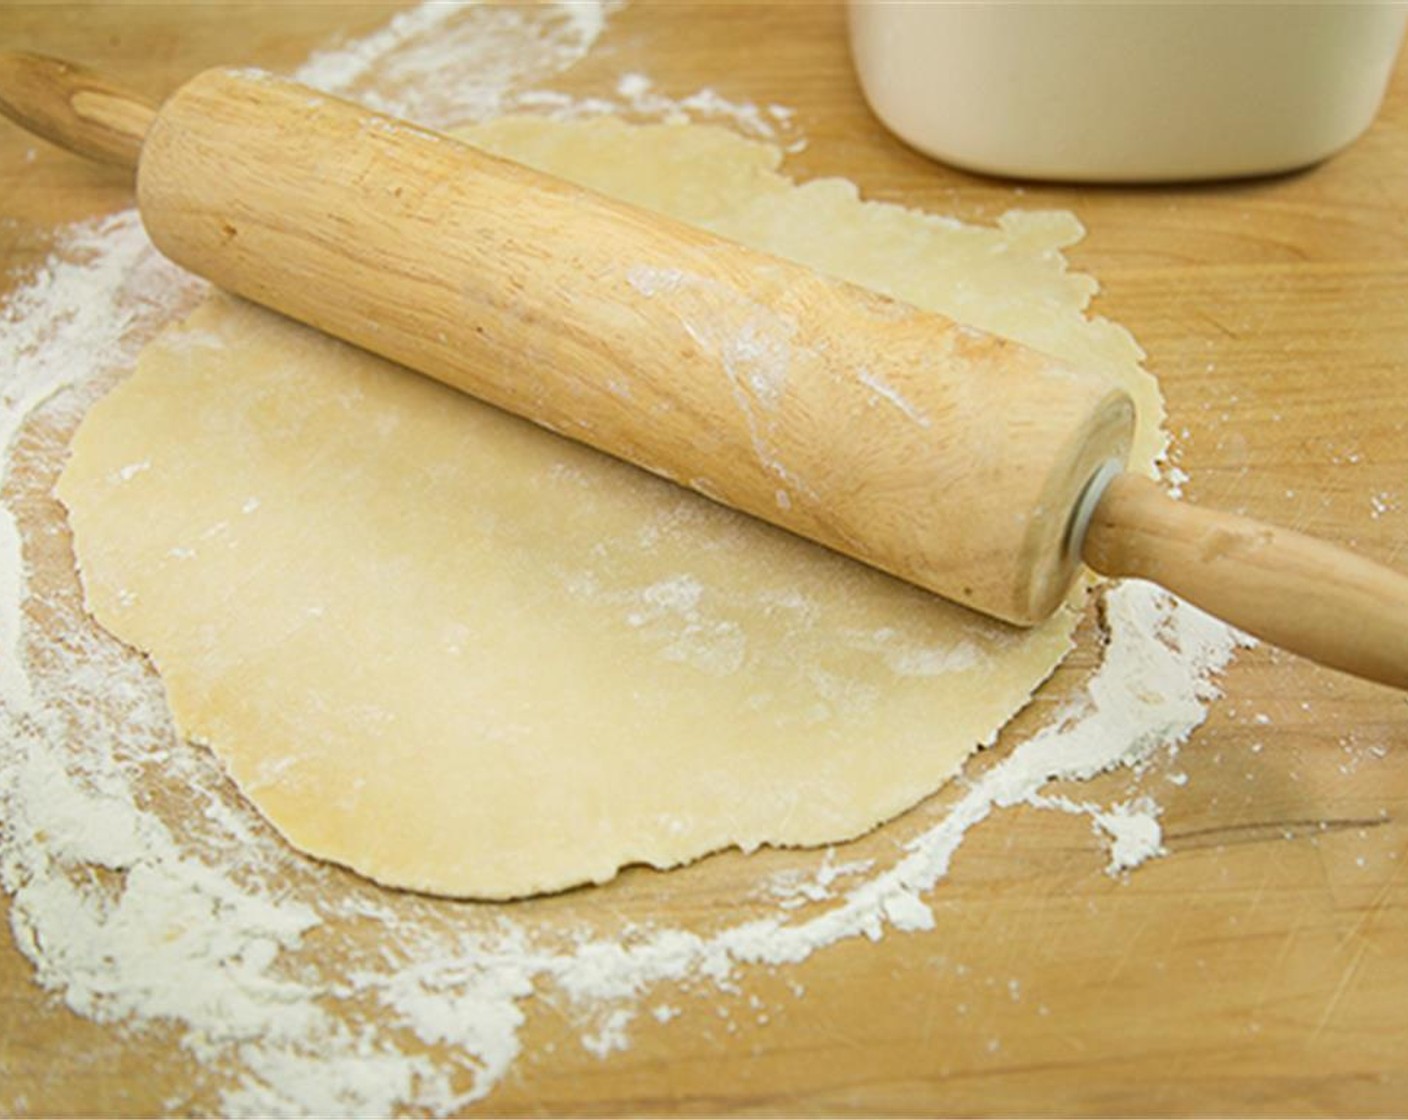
point(1262, 966)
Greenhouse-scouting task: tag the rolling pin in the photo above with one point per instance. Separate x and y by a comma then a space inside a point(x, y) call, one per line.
point(974, 467)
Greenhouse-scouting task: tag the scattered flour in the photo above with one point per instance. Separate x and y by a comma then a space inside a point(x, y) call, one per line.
point(754, 344)
point(1133, 826)
point(295, 987)
point(637, 96)
point(887, 392)
point(445, 62)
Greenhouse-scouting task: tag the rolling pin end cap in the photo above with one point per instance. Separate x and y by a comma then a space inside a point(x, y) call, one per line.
point(1079, 524)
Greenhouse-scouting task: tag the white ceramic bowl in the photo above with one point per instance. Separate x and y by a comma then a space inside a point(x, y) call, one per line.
point(1126, 91)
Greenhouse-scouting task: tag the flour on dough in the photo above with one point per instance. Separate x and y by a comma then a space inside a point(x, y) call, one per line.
point(462, 655)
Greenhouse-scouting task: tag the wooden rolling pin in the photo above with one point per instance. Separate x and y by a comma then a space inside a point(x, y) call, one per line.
point(969, 465)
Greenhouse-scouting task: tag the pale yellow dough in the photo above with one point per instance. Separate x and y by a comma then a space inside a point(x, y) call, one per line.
point(462, 655)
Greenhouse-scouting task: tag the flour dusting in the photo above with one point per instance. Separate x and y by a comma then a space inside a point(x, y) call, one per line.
point(754, 346)
point(1133, 828)
point(888, 393)
point(445, 62)
point(295, 988)
point(637, 96)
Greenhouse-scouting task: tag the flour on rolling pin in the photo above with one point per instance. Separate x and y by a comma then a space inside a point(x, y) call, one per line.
point(97, 777)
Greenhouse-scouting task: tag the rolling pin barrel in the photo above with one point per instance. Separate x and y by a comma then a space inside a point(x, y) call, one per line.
point(948, 457)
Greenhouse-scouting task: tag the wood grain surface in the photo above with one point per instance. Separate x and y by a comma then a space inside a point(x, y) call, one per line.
point(1261, 968)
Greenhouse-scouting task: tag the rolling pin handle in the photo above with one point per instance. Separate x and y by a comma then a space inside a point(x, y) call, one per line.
point(74, 108)
point(1302, 594)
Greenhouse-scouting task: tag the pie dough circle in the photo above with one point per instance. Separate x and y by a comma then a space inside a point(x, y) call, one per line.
point(459, 654)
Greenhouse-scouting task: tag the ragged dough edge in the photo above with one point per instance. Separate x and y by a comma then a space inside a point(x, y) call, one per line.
point(752, 202)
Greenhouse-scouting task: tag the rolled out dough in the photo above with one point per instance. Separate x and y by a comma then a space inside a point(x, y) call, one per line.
point(462, 655)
